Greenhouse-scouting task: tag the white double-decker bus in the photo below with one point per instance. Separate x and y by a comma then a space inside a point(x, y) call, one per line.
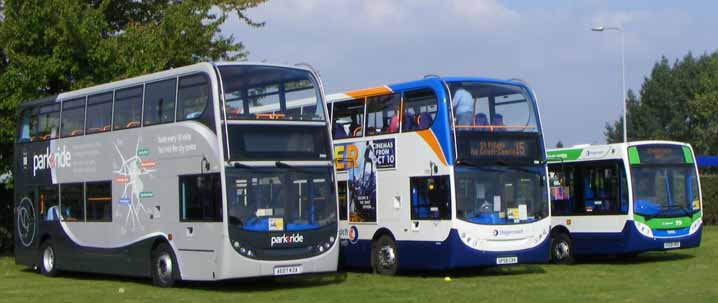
point(623, 199)
point(440, 173)
point(196, 173)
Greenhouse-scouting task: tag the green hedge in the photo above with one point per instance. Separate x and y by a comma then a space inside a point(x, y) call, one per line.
point(709, 188)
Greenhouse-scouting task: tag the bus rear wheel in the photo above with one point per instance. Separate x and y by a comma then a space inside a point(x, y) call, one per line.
point(384, 256)
point(561, 249)
point(48, 259)
point(164, 266)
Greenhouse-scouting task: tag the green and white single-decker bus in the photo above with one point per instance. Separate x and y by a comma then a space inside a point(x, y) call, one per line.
point(623, 199)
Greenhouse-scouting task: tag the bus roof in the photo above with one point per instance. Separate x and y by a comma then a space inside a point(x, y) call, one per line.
point(593, 152)
point(105, 87)
point(387, 89)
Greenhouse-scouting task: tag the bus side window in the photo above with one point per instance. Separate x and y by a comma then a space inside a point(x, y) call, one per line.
point(420, 107)
point(160, 102)
point(430, 198)
point(98, 201)
point(343, 199)
point(73, 117)
point(99, 113)
point(200, 198)
point(348, 119)
point(193, 97)
point(561, 182)
point(382, 114)
point(49, 122)
point(72, 204)
point(47, 202)
point(128, 108)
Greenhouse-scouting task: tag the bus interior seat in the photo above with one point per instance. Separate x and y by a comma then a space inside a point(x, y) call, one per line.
point(357, 131)
point(408, 121)
point(339, 132)
point(481, 120)
point(498, 120)
point(423, 120)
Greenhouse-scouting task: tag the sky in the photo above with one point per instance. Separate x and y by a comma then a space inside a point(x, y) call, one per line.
point(576, 73)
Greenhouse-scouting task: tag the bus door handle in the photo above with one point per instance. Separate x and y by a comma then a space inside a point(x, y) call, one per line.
point(415, 226)
point(190, 231)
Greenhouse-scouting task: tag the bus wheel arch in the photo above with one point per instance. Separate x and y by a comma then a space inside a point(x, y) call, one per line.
point(164, 268)
point(561, 246)
point(384, 253)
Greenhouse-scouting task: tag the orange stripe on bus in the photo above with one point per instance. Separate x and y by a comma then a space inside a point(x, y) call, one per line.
point(429, 138)
point(368, 92)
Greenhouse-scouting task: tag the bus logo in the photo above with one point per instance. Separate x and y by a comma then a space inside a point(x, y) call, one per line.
point(26, 222)
point(51, 160)
point(353, 235)
point(286, 239)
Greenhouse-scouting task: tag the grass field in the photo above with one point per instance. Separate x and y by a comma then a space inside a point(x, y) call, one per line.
point(676, 276)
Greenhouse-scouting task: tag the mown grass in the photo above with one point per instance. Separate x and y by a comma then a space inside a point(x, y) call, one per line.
point(677, 276)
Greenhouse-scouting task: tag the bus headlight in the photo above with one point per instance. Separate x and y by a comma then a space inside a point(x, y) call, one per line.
point(644, 229)
point(695, 225)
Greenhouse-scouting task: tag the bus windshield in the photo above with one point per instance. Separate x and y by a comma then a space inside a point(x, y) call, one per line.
point(500, 195)
point(280, 199)
point(270, 93)
point(489, 107)
point(665, 190)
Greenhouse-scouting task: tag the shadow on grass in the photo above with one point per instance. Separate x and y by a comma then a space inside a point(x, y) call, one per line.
point(230, 285)
point(648, 257)
point(521, 269)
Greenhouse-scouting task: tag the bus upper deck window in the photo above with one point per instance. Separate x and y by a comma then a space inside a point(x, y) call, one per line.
point(99, 113)
point(26, 125)
point(420, 109)
point(193, 96)
point(160, 102)
point(348, 119)
point(73, 117)
point(128, 108)
point(382, 114)
point(49, 122)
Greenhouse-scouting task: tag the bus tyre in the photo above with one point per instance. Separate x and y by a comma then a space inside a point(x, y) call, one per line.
point(561, 249)
point(384, 256)
point(48, 259)
point(164, 266)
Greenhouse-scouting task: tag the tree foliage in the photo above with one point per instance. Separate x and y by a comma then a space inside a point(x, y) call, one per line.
point(678, 101)
point(51, 46)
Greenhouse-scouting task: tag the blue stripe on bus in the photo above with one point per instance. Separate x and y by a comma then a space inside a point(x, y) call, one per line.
point(629, 240)
point(441, 255)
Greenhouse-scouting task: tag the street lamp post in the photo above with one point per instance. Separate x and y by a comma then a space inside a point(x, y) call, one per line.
point(623, 70)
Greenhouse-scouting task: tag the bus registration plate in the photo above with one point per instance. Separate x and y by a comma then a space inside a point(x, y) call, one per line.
point(669, 245)
point(287, 270)
point(507, 260)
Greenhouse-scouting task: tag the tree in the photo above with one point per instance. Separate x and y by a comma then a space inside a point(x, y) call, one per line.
point(559, 144)
point(48, 47)
point(677, 102)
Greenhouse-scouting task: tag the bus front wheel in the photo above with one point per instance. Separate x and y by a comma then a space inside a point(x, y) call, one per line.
point(48, 259)
point(561, 249)
point(385, 257)
point(164, 267)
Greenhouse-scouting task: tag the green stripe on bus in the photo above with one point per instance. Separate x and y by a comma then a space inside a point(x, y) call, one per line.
point(633, 157)
point(668, 223)
point(687, 155)
point(563, 155)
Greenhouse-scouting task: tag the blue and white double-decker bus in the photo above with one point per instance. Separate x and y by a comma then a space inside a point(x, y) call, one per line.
point(440, 173)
